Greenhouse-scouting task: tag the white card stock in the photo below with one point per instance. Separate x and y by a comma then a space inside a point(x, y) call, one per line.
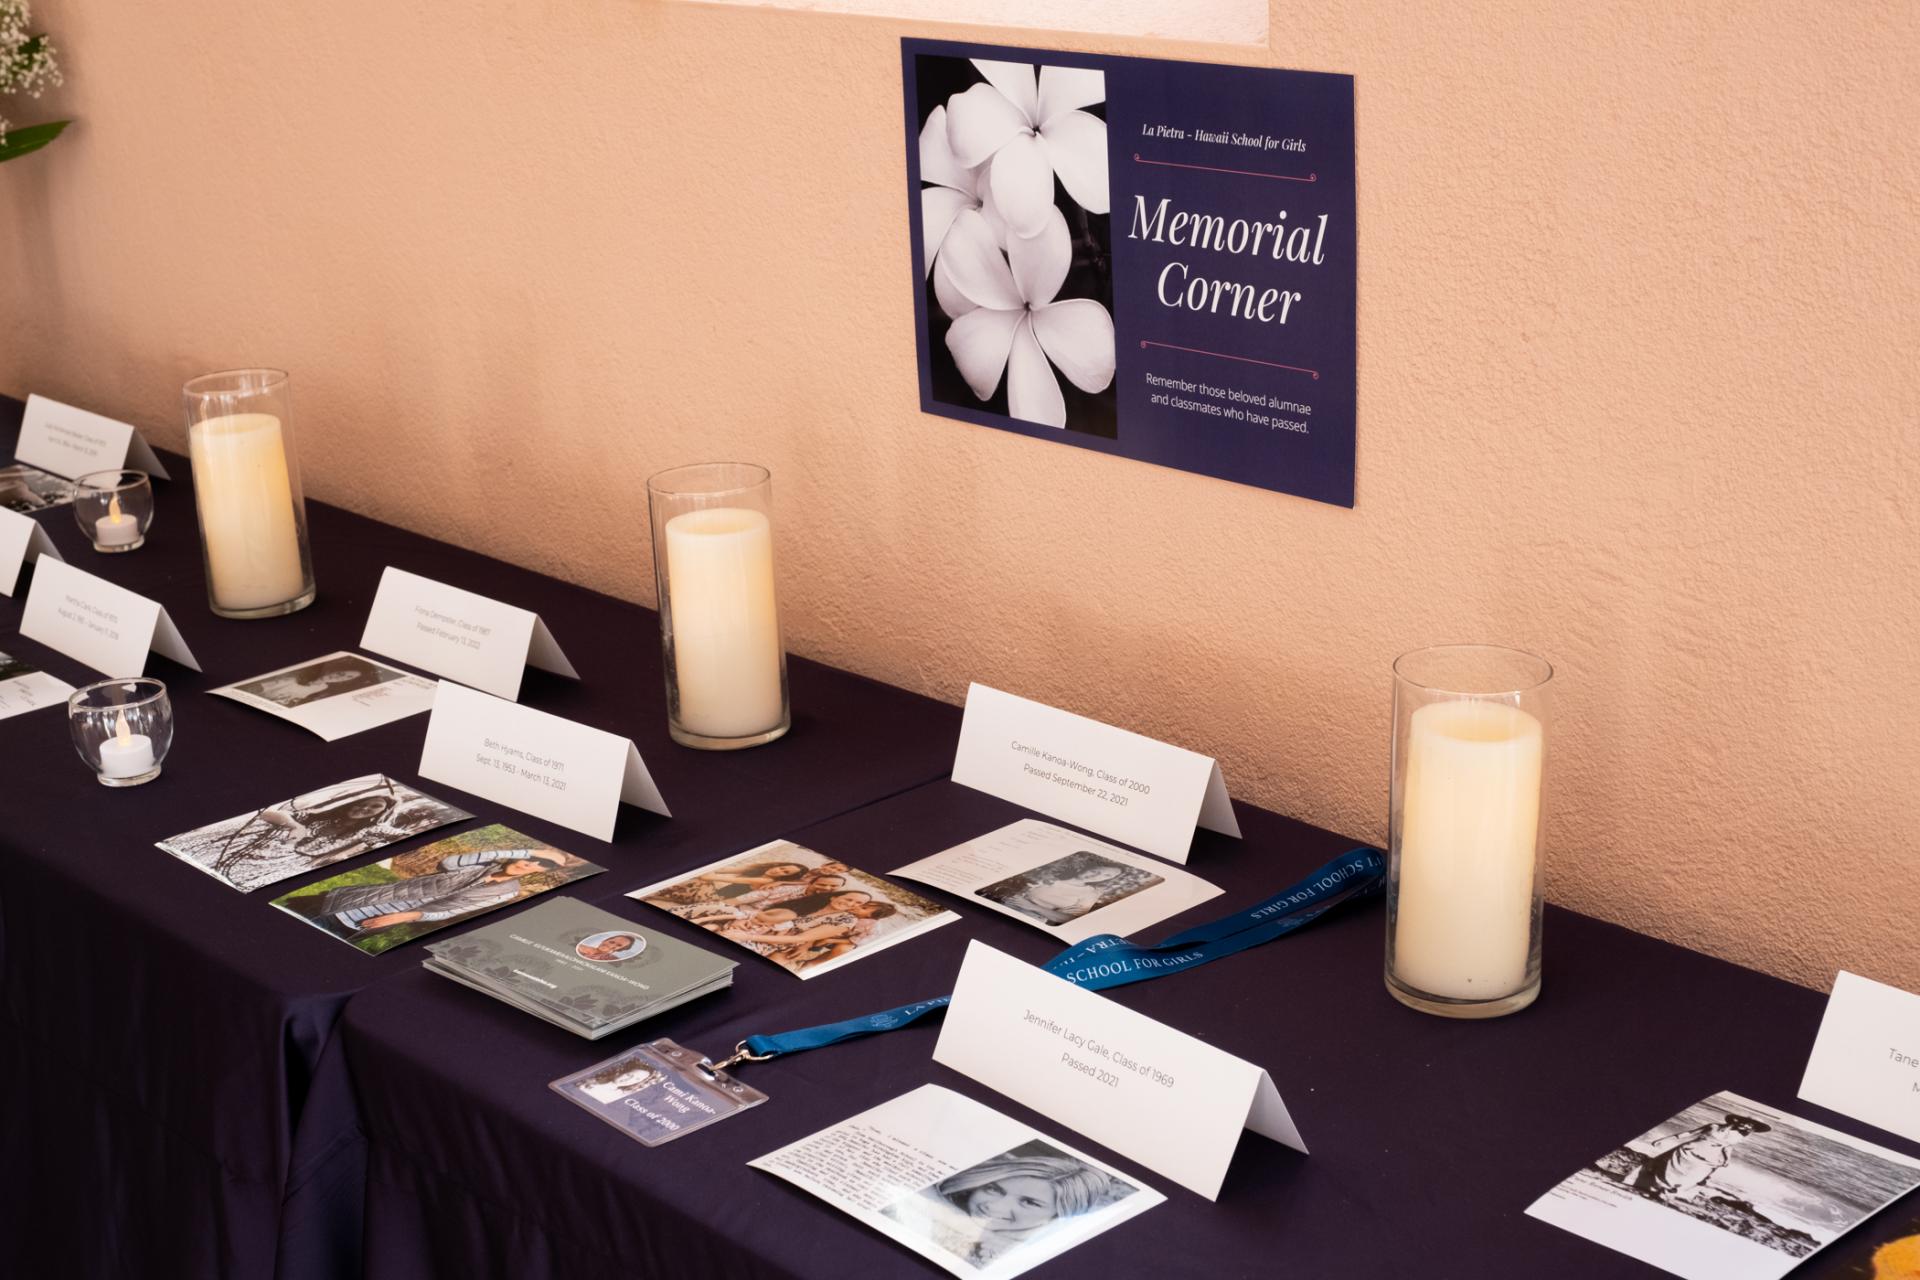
point(540, 764)
point(460, 635)
point(22, 541)
point(24, 689)
point(1866, 1059)
point(71, 442)
point(1174, 1103)
point(91, 620)
point(1120, 784)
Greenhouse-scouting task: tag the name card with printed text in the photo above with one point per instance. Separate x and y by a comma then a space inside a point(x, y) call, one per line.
point(91, 620)
point(1109, 781)
point(71, 442)
point(460, 635)
point(538, 763)
point(22, 541)
point(1156, 1095)
point(1866, 1058)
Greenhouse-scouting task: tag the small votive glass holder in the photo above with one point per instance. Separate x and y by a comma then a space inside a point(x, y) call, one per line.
point(122, 729)
point(114, 509)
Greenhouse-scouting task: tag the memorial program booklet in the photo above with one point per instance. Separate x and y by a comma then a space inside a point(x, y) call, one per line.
point(804, 911)
point(311, 830)
point(1729, 1188)
point(24, 687)
point(1068, 884)
point(973, 1191)
point(395, 900)
point(336, 695)
point(579, 967)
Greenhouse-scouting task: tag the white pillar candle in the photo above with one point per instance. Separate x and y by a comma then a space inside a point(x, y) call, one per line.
point(116, 528)
point(726, 628)
point(245, 492)
point(125, 754)
point(1470, 821)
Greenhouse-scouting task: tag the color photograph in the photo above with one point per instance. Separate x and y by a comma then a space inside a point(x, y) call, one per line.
point(387, 903)
point(804, 911)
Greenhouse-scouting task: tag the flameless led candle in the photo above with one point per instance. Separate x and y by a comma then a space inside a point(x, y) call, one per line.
point(1470, 821)
point(726, 628)
point(247, 512)
point(125, 754)
point(115, 528)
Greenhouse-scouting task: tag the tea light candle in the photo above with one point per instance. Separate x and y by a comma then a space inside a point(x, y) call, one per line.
point(1470, 820)
point(241, 481)
point(125, 754)
point(726, 628)
point(115, 528)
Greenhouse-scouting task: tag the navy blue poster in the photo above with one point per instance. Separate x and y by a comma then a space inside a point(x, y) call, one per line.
point(1152, 259)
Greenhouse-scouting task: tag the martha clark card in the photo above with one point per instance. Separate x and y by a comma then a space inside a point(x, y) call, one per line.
point(1145, 258)
point(972, 1191)
point(1729, 1187)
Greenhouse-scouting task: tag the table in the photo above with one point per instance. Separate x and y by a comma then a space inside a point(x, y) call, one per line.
point(166, 1042)
point(1430, 1137)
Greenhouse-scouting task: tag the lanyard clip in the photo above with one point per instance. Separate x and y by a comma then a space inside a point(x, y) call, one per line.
point(733, 1059)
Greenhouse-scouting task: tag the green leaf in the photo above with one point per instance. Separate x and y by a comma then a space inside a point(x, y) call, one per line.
point(31, 138)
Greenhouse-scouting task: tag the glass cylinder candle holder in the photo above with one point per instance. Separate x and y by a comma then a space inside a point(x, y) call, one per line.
point(122, 729)
point(246, 484)
point(114, 509)
point(719, 621)
point(1464, 879)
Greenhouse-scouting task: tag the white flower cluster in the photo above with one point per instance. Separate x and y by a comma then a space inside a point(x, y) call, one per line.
point(27, 62)
point(996, 244)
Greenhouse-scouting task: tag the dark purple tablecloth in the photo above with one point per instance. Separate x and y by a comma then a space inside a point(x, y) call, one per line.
point(165, 1042)
point(1430, 1137)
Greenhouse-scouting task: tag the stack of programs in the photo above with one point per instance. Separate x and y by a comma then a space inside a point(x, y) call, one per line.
point(580, 967)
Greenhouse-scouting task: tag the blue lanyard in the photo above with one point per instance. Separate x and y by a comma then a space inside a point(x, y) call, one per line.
point(1110, 961)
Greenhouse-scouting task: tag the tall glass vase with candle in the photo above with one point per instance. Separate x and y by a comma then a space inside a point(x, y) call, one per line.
point(719, 620)
point(1464, 883)
point(246, 484)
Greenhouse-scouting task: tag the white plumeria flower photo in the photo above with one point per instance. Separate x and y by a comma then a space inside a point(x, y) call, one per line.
point(1027, 127)
point(1015, 326)
point(1013, 213)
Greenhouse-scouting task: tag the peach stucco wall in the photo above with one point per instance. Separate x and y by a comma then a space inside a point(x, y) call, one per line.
point(1639, 384)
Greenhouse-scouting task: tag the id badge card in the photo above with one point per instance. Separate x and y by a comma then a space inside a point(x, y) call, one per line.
point(657, 1092)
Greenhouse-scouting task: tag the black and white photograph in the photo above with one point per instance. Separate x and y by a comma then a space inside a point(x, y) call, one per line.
point(1069, 887)
point(12, 668)
point(1017, 259)
point(1009, 1202)
point(973, 1191)
point(1062, 881)
point(1729, 1187)
point(311, 830)
point(28, 489)
point(330, 677)
point(336, 695)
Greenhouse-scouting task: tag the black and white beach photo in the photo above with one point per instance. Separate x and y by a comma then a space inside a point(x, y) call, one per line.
point(311, 830)
point(1729, 1187)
